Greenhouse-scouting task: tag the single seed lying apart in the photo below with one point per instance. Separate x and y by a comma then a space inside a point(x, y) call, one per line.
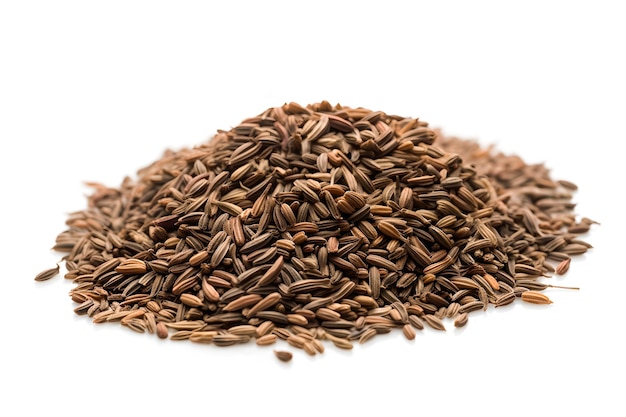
point(535, 297)
point(283, 355)
point(47, 274)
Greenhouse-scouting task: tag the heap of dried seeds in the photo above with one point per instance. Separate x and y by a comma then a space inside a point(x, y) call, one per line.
point(318, 223)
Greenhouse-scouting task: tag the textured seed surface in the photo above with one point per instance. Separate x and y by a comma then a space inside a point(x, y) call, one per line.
point(316, 225)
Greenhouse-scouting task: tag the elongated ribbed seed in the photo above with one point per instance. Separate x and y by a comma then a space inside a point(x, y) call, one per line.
point(535, 297)
point(47, 274)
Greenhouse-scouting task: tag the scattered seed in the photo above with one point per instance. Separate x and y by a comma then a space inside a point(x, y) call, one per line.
point(535, 297)
point(283, 355)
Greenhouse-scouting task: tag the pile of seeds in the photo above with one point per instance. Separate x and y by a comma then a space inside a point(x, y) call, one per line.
point(318, 223)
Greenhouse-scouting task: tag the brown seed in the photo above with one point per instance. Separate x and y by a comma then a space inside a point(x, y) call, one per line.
point(434, 322)
point(132, 267)
point(408, 331)
point(283, 355)
point(461, 320)
point(242, 302)
point(563, 266)
point(272, 272)
point(535, 297)
point(47, 274)
point(190, 300)
point(266, 340)
point(492, 282)
point(161, 330)
point(390, 230)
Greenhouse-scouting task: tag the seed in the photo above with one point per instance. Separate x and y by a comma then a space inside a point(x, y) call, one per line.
point(190, 300)
point(563, 266)
point(390, 230)
point(161, 330)
point(434, 322)
point(505, 299)
point(283, 355)
point(242, 302)
point(381, 262)
point(47, 274)
point(272, 272)
point(408, 331)
point(203, 336)
point(535, 297)
point(461, 320)
point(132, 267)
point(492, 282)
point(266, 340)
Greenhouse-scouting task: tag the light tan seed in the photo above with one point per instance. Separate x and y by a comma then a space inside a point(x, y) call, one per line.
point(243, 330)
point(181, 335)
point(199, 257)
point(408, 331)
point(190, 300)
point(203, 336)
point(266, 340)
point(535, 297)
point(297, 319)
point(493, 283)
point(132, 267)
point(265, 328)
point(296, 341)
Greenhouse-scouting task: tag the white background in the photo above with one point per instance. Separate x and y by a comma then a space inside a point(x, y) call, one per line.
point(93, 91)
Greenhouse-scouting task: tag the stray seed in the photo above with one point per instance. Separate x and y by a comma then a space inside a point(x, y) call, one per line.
point(47, 274)
point(535, 297)
point(283, 355)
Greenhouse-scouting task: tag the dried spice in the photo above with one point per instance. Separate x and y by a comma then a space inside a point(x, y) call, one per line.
point(318, 223)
